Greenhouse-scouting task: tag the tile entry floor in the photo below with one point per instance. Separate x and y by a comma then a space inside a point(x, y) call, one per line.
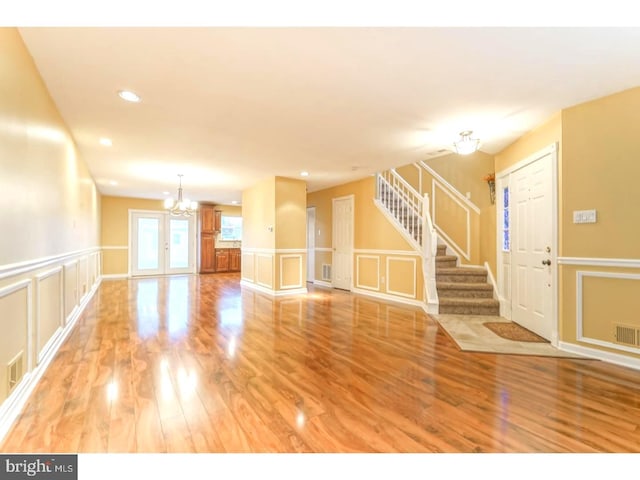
point(469, 334)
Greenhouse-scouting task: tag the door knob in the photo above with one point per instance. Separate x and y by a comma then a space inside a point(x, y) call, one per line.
point(546, 262)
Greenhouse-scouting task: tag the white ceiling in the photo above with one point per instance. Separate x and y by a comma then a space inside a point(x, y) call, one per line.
point(229, 106)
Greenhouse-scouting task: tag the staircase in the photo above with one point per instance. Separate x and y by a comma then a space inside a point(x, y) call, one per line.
point(449, 289)
point(463, 290)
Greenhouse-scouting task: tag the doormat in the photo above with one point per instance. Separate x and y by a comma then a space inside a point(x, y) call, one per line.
point(513, 331)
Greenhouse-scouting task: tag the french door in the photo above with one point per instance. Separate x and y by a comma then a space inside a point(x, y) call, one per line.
point(161, 244)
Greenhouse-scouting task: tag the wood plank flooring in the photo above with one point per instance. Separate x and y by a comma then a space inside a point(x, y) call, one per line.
point(199, 364)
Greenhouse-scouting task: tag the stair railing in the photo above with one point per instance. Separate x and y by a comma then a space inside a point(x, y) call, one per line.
point(410, 213)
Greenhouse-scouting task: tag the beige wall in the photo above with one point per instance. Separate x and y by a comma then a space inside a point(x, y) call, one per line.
point(50, 222)
point(383, 262)
point(50, 204)
point(600, 170)
point(274, 217)
point(115, 230)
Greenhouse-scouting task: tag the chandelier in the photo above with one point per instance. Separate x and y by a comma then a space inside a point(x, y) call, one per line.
point(181, 207)
point(466, 144)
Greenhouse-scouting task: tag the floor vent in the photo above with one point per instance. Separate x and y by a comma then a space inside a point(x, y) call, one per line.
point(326, 271)
point(627, 335)
point(15, 371)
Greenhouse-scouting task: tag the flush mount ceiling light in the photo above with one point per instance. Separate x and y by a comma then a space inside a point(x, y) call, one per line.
point(129, 96)
point(180, 207)
point(304, 174)
point(466, 144)
point(106, 142)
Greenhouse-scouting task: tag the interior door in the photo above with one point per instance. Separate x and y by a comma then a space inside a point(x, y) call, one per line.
point(161, 244)
point(342, 242)
point(311, 244)
point(532, 242)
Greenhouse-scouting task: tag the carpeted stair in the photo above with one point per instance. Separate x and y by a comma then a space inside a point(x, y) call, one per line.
point(463, 290)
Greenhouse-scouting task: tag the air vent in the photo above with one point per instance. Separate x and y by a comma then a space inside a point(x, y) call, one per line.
point(326, 271)
point(15, 371)
point(626, 335)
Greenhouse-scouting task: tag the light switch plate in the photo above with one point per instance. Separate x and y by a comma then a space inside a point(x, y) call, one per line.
point(584, 216)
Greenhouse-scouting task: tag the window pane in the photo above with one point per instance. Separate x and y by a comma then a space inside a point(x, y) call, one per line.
point(179, 247)
point(231, 228)
point(148, 243)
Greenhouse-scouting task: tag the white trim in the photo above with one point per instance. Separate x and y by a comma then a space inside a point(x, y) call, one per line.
point(300, 279)
point(377, 259)
point(322, 283)
point(59, 270)
point(387, 252)
point(600, 262)
point(257, 269)
point(580, 274)
point(398, 226)
point(530, 159)
point(390, 298)
point(323, 249)
point(466, 253)
point(13, 405)
point(114, 247)
point(114, 276)
point(610, 357)
point(352, 225)
point(271, 292)
point(400, 259)
point(440, 179)
point(273, 250)
point(14, 269)
point(492, 280)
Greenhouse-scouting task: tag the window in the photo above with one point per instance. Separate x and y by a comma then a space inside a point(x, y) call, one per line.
point(230, 229)
point(506, 244)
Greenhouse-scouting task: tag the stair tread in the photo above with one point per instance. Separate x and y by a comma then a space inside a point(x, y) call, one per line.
point(463, 286)
point(461, 271)
point(468, 301)
point(445, 258)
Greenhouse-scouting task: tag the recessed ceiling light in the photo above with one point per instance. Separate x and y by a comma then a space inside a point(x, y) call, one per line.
point(106, 142)
point(234, 202)
point(113, 182)
point(304, 174)
point(129, 96)
point(165, 193)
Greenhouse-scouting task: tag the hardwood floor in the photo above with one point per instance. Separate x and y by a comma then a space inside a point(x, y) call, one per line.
point(199, 364)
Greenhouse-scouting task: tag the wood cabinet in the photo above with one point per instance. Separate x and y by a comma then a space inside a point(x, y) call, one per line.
point(207, 239)
point(217, 221)
point(222, 259)
point(234, 259)
point(227, 259)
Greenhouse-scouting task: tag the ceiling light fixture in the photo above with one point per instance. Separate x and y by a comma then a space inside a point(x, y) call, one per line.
point(181, 207)
point(106, 142)
point(129, 96)
point(466, 144)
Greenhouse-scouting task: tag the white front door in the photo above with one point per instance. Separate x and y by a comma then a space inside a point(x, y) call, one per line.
point(311, 244)
point(342, 242)
point(161, 244)
point(532, 244)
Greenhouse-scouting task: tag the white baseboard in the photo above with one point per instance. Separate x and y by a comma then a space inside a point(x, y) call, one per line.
point(610, 357)
point(389, 298)
point(273, 293)
point(114, 276)
point(322, 283)
point(13, 405)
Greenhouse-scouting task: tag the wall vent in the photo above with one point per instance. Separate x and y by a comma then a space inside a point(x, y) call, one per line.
point(326, 271)
point(15, 371)
point(626, 335)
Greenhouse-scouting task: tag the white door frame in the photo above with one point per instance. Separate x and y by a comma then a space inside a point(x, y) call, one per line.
point(311, 244)
point(351, 199)
point(504, 279)
point(193, 244)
